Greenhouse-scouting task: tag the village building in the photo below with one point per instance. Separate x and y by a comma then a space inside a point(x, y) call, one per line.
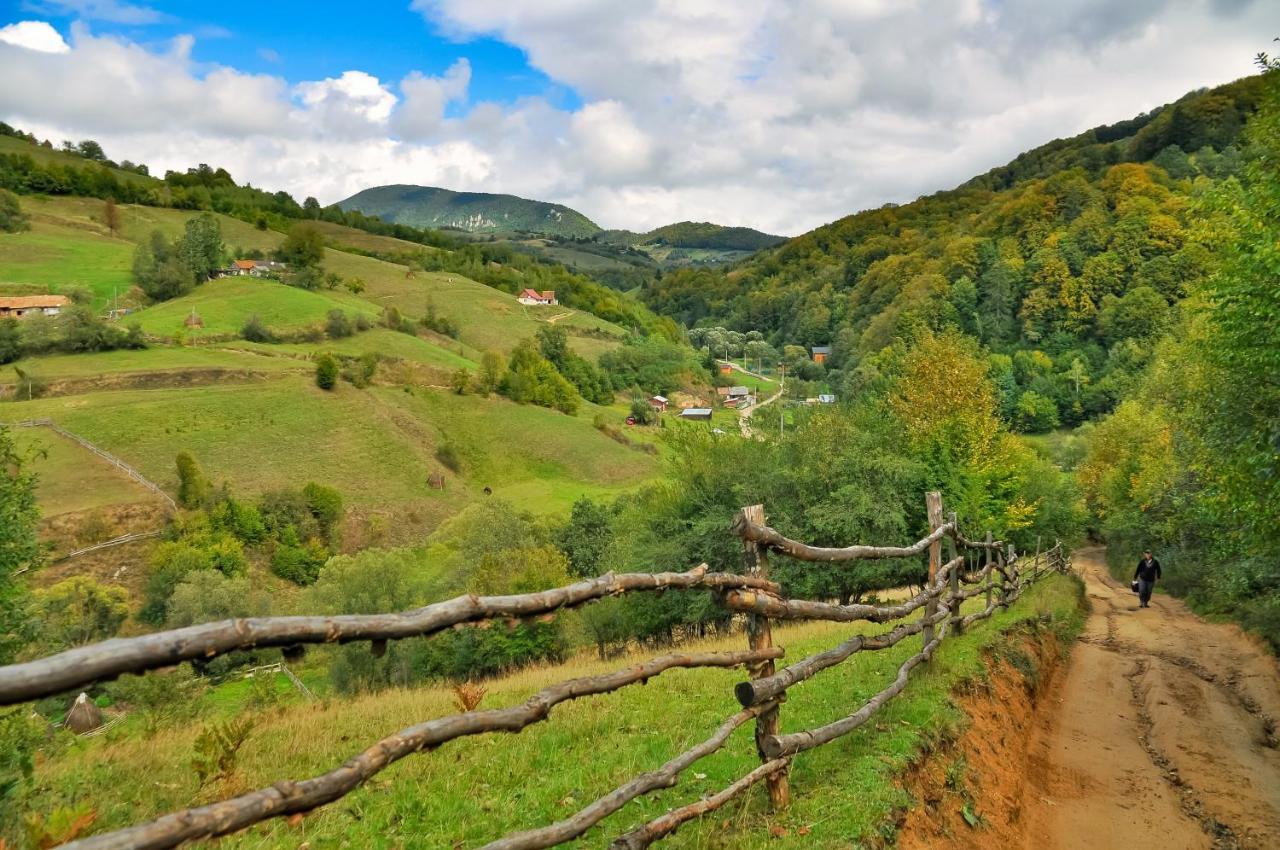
point(696, 414)
point(15, 307)
point(826, 398)
point(821, 353)
point(534, 298)
point(255, 268)
point(726, 369)
point(659, 403)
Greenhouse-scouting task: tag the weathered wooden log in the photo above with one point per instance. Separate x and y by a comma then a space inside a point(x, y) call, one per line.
point(287, 797)
point(760, 690)
point(664, 777)
point(108, 659)
point(755, 562)
point(663, 826)
point(766, 536)
point(933, 509)
point(769, 605)
point(797, 742)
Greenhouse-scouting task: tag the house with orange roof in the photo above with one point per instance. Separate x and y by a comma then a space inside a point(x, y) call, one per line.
point(534, 298)
point(17, 306)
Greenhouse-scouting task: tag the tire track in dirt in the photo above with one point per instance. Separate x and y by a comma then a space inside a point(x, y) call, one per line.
point(1161, 733)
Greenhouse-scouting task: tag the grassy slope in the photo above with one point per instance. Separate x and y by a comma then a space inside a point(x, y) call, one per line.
point(376, 446)
point(71, 478)
point(224, 305)
point(478, 789)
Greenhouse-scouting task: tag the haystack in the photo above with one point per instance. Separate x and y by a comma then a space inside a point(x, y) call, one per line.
point(84, 716)
point(436, 480)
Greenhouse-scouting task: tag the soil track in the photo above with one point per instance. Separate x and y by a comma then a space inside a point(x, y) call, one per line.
point(1161, 734)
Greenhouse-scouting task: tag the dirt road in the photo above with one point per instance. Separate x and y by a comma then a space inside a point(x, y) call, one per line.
point(1160, 734)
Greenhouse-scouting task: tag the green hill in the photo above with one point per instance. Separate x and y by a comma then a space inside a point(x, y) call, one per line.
point(476, 212)
point(1064, 263)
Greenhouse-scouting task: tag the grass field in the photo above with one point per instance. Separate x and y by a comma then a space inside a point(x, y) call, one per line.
point(226, 304)
point(71, 478)
point(377, 446)
point(477, 789)
point(158, 358)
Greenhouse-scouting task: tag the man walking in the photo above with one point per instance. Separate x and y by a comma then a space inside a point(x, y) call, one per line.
point(1146, 574)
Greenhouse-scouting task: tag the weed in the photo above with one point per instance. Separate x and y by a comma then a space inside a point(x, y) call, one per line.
point(467, 695)
point(217, 749)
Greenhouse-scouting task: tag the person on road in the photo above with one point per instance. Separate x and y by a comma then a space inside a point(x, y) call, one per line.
point(1146, 574)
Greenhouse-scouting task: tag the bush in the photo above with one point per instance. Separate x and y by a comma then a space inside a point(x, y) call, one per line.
point(12, 218)
point(296, 562)
point(78, 611)
point(161, 699)
point(194, 489)
point(254, 330)
point(205, 596)
point(325, 504)
point(338, 326)
point(326, 372)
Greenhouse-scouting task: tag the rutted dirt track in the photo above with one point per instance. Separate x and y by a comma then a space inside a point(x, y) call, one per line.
point(1161, 733)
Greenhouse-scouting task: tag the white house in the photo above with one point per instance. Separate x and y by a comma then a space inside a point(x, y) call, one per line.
point(534, 298)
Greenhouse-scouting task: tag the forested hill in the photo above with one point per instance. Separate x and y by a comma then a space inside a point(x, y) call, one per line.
point(477, 212)
point(1069, 259)
point(696, 234)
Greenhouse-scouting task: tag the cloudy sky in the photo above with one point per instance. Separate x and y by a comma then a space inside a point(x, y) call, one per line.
point(773, 114)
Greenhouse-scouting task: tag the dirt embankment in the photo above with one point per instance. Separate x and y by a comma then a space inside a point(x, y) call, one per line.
point(1159, 733)
point(968, 792)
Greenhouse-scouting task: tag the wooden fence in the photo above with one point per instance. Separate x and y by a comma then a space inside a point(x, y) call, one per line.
point(994, 572)
point(105, 455)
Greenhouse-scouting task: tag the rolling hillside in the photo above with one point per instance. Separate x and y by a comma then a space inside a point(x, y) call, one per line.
point(250, 412)
point(476, 212)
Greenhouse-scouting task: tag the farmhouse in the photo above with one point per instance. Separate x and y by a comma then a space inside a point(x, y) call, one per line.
point(696, 414)
point(821, 353)
point(255, 268)
point(534, 298)
point(659, 403)
point(15, 307)
point(725, 369)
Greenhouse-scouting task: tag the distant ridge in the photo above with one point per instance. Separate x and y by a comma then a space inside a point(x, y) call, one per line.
point(475, 212)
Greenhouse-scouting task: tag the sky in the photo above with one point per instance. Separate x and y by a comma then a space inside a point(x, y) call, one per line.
point(775, 114)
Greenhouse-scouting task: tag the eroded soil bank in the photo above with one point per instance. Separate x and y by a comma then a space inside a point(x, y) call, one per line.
point(1158, 733)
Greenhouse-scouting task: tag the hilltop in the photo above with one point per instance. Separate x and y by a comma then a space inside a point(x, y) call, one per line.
point(475, 212)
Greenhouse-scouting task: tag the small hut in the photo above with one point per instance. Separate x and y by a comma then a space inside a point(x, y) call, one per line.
point(436, 480)
point(194, 320)
point(84, 716)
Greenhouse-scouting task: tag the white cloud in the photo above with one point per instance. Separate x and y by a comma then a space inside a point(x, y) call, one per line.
point(427, 98)
point(776, 114)
point(34, 35)
point(102, 10)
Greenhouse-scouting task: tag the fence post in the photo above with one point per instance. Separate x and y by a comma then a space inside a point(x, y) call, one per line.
point(1035, 565)
point(933, 505)
point(1007, 583)
point(991, 576)
point(957, 621)
point(760, 636)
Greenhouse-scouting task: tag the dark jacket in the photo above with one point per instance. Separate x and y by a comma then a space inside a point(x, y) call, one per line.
point(1147, 570)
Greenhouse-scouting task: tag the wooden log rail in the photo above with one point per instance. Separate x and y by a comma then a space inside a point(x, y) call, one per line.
point(108, 659)
point(751, 594)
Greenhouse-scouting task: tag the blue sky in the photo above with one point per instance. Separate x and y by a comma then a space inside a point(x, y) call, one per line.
point(310, 41)
point(774, 114)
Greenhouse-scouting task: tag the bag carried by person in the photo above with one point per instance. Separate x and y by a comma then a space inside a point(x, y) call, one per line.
point(1134, 585)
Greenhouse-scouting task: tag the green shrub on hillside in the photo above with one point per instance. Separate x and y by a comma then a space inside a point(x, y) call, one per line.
point(194, 488)
point(77, 611)
point(12, 218)
point(255, 330)
point(326, 371)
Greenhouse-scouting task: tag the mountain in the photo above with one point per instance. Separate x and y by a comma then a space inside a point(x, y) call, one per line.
point(476, 212)
point(1066, 263)
point(696, 234)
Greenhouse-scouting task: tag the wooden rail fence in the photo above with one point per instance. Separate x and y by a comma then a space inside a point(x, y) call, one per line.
point(104, 454)
point(974, 568)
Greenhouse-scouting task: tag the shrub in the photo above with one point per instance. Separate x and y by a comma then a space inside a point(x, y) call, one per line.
point(325, 504)
point(338, 325)
point(297, 562)
point(205, 596)
point(217, 749)
point(78, 611)
point(326, 372)
point(161, 699)
point(194, 488)
point(28, 386)
point(12, 218)
point(254, 330)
